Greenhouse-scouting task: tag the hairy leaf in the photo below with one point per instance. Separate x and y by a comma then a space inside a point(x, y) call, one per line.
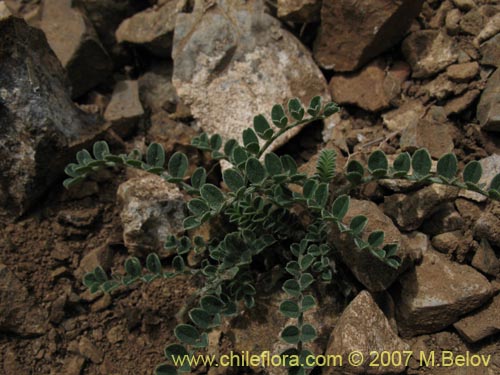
point(278, 116)
point(421, 163)
point(187, 334)
point(178, 165)
point(155, 155)
point(255, 171)
point(473, 172)
point(447, 166)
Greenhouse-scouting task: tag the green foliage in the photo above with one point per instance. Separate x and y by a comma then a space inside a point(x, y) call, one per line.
point(257, 203)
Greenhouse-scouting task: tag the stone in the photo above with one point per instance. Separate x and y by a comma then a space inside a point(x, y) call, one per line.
point(152, 28)
point(410, 210)
point(488, 227)
point(472, 22)
point(41, 127)
point(363, 327)
point(87, 349)
point(481, 324)
point(461, 103)
point(76, 44)
point(354, 32)
point(4, 11)
point(491, 28)
point(446, 219)
point(100, 256)
point(73, 365)
point(436, 293)
point(156, 89)
point(463, 72)
point(488, 109)
point(442, 87)
point(233, 61)
point(169, 133)
point(373, 273)
point(125, 109)
point(491, 167)
point(19, 313)
point(450, 243)
point(152, 210)
point(464, 5)
point(433, 136)
point(485, 259)
point(11, 364)
point(303, 11)
point(407, 115)
point(115, 335)
point(372, 88)
point(428, 52)
point(490, 52)
point(452, 21)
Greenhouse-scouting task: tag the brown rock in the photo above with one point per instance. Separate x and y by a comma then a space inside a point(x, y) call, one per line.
point(442, 87)
point(409, 114)
point(75, 42)
point(464, 5)
point(73, 365)
point(446, 219)
point(433, 136)
point(156, 89)
point(152, 210)
point(304, 11)
point(168, 132)
point(488, 226)
point(461, 103)
point(409, 211)
point(490, 52)
point(452, 21)
point(101, 256)
point(472, 22)
point(485, 259)
point(488, 109)
point(361, 262)
point(463, 72)
point(125, 108)
point(354, 32)
point(4, 11)
point(372, 88)
point(492, 26)
point(484, 323)
point(363, 327)
point(450, 242)
point(428, 52)
point(436, 293)
point(87, 349)
point(152, 28)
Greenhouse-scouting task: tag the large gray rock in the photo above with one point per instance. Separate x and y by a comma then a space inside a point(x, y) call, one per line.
point(363, 327)
point(373, 273)
point(41, 128)
point(488, 109)
point(353, 32)
point(436, 293)
point(152, 210)
point(233, 61)
point(18, 312)
point(152, 28)
point(76, 44)
point(373, 88)
point(428, 52)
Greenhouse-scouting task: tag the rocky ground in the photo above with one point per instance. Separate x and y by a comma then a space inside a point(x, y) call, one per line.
point(407, 74)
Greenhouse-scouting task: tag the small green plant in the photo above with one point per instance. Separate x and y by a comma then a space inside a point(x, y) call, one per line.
point(258, 206)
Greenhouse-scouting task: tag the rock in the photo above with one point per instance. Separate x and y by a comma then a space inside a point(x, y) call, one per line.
point(77, 47)
point(4, 11)
point(362, 262)
point(461, 103)
point(428, 52)
point(491, 29)
point(373, 88)
point(490, 52)
point(41, 127)
point(446, 219)
point(344, 45)
point(19, 314)
point(152, 210)
point(232, 62)
point(451, 243)
point(363, 327)
point(152, 28)
point(407, 115)
point(304, 11)
point(125, 109)
point(433, 136)
point(484, 323)
point(410, 210)
point(115, 335)
point(488, 227)
point(171, 134)
point(87, 349)
point(488, 109)
point(436, 293)
point(472, 22)
point(452, 21)
point(491, 167)
point(156, 89)
point(485, 259)
point(464, 5)
point(463, 72)
point(11, 363)
point(73, 365)
point(101, 256)
point(441, 88)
